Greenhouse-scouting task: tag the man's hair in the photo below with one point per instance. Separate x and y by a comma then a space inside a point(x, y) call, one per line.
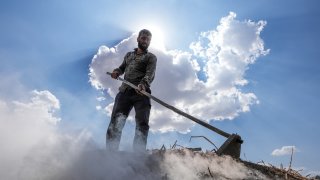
point(146, 32)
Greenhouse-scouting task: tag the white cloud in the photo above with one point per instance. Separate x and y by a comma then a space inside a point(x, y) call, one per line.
point(101, 98)
point(285, 150)
point(225, 53)
point(98, 108)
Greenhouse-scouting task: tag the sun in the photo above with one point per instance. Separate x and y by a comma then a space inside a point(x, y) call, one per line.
point(158, 38)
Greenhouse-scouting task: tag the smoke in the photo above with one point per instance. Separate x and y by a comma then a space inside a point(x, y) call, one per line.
point(81, 159)
point(23, 125)
point(32, 147)
point(189, 166)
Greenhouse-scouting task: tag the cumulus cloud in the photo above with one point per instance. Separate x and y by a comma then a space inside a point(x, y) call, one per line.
point(223, 55)
point(285, 150)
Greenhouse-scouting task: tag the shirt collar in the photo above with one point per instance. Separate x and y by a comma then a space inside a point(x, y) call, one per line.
point(145, 51)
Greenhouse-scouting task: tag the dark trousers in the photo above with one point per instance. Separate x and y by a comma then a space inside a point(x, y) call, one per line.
point(123, 104)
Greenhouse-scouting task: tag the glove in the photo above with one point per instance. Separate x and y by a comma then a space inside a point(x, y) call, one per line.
point(141, 87)
point(115, 74)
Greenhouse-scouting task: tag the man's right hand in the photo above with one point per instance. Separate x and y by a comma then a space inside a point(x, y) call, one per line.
point(115, 74)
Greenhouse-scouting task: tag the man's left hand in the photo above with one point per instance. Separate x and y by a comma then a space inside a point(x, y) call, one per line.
point(141, 87)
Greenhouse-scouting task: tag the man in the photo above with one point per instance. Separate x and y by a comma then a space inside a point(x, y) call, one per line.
point(139, 68)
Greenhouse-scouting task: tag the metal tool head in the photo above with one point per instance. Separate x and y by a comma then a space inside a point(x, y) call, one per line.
point(231, 147)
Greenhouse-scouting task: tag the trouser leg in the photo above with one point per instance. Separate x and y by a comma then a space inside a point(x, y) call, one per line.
point(142, 108)
point(120, 112)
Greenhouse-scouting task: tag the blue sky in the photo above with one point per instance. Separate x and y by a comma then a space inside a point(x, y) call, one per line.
point(50, 45)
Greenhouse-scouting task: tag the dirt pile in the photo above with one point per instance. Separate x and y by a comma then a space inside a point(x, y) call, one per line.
point(188, 164)
point(171, 164)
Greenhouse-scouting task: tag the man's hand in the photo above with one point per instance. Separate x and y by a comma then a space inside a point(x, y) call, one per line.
point(141, 87)
point(115, 74)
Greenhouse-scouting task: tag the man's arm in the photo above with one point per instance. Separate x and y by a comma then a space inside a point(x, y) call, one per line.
point(150, 71)
point(120, 70)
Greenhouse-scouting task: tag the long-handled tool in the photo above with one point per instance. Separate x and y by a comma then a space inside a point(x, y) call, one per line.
point(232, 146)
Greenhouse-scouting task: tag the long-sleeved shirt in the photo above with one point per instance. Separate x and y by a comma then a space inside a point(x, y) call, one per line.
point(138, 69)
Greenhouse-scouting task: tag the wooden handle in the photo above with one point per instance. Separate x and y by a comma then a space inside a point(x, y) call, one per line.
point(222, 133)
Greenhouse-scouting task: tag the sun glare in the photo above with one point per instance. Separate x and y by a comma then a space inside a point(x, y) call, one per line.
point(157, 40)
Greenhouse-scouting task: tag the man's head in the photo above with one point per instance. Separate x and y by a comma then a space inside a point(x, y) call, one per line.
point(144, 39)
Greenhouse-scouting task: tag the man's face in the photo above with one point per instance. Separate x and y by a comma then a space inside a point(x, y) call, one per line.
point(144, 41)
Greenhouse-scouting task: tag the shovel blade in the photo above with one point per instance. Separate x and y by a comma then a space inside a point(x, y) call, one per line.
point(231, 147)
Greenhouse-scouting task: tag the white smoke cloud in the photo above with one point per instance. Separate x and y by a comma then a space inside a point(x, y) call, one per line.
point(225, 53)
point(32, 147)
point(285, 150)
point(23, 125)
point(189, 166)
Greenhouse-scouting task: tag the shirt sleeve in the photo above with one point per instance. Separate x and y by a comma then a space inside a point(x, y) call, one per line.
point(123, 65)
point(150, 72)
